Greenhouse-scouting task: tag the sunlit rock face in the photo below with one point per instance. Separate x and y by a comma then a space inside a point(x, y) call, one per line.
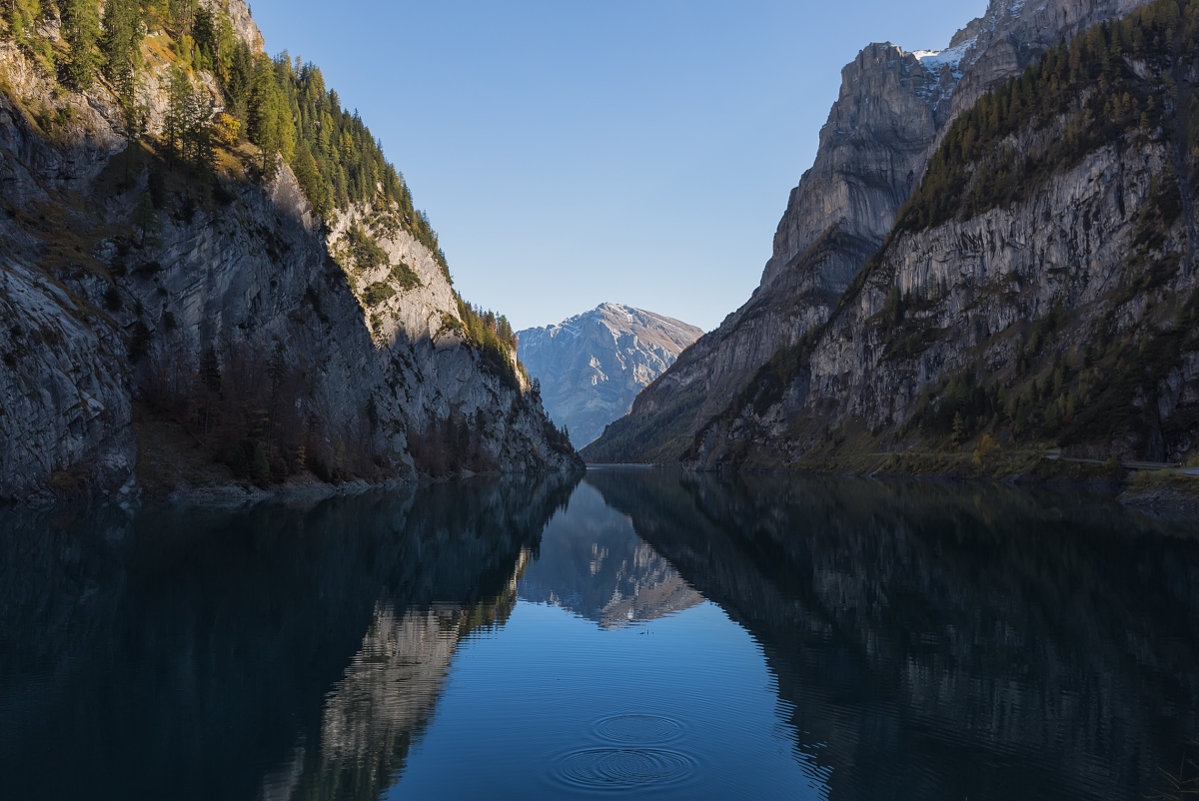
point(382, 705)
point(892, 110)
point(593, 365)
point(1094, 256)
point(106, 302)
point(391, 684)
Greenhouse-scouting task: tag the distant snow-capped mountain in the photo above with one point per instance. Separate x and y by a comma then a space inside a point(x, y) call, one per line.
point(593, 365)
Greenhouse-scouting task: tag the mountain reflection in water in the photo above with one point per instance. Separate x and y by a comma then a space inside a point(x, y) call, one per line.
point(592, 563)
point(275, 653)
point(937, 641)
point(846, 639)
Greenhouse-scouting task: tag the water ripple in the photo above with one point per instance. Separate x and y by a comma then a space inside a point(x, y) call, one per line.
point(638, 728)
point(622, 768)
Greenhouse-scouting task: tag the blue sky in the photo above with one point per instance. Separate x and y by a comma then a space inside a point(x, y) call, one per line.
point(570, 153)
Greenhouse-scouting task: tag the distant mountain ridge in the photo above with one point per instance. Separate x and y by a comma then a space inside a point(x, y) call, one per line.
point(592, 366)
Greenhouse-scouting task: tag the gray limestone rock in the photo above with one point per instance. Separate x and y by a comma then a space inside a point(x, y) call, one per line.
point(111, 306)
point(892, 110)
point(593, 365)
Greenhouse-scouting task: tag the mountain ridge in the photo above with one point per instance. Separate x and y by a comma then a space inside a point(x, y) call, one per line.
point(592, 365)
point(1037, 292)
point(165, 272)
point(886, 123)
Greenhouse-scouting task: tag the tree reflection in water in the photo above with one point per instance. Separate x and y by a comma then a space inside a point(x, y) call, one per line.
point(927, 641)
point(189, 653)
point(933, 639)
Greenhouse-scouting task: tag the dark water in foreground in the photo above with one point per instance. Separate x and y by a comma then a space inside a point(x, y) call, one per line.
point(638, 635)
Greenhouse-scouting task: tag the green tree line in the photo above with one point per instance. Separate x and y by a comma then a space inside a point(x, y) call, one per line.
point(283, 108)
point(494, 338)
point(1080, 96)
point(291, 114)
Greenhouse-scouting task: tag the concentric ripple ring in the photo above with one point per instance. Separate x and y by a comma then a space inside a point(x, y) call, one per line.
point(621, 768)
point(638, 729)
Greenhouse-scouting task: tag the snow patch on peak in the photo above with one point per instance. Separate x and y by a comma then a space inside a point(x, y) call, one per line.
point(938, 60)
point(619, 309)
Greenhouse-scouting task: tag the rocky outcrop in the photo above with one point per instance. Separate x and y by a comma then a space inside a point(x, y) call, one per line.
point(244, 25)
point(1064, 315)
point(593, 365)
point(131, 284)
point(893, 108)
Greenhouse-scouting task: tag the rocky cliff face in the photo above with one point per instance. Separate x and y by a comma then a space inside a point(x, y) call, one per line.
point(893, 108)
point(593, 365)
point(1056, 304)
point(135, 289)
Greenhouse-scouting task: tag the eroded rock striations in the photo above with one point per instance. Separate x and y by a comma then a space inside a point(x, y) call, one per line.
point(892, 111)
point(136, 292)
point(1039, 286)
point(593, 365)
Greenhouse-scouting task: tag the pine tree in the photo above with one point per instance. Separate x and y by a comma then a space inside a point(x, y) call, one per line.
point(179, 98)
point(310, 179)
point(181, 14)
point(235, 71)
point(959, 430)
point(266, 115)
point(189, 120)
point(81, 30)
point(204, 32)
point(121, 45)
point(21, 16)
point(197, 137)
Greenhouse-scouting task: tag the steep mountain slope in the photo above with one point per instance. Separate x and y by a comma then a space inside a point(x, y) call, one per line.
point(183, 295)
point(893, 108)
point(1039, 287)
point(593, 365)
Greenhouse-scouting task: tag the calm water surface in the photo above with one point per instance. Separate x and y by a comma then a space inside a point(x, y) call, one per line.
point(637, 635)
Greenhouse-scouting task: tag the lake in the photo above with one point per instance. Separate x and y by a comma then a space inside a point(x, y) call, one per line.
point(638, 634)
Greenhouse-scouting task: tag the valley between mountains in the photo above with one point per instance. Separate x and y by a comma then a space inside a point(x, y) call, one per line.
point(213, 276)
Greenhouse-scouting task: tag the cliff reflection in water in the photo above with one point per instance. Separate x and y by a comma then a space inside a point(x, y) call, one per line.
point(188, 655)
point(925, 641)
point(940, 642)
